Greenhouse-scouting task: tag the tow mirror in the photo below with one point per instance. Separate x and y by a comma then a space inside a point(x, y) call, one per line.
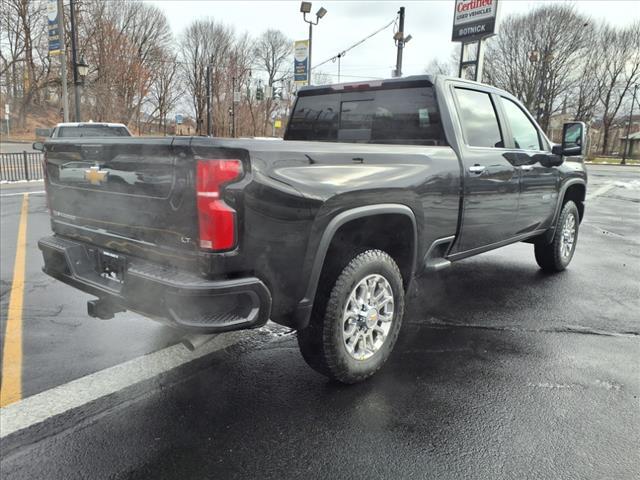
point(38, 146)
point(573, 139)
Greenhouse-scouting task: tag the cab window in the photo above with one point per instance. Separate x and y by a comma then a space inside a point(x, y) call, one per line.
point(478, 118)
point(387, 115)
point(525, 134)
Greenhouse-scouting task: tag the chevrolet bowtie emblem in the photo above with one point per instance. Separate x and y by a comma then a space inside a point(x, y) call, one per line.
point(95, 176)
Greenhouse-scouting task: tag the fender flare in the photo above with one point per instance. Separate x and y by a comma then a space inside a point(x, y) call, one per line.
point(561, 194)
point(303, 310)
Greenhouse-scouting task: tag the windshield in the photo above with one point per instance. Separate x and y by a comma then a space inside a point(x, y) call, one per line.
point(93, 131)
point(392, 116)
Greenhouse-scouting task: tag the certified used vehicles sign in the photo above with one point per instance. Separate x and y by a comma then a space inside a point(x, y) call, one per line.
point(473, 19)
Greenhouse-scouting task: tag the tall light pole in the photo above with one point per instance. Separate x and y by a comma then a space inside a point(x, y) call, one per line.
point(74, 57)
point(209, 121)
point(305, 7)
point(628, 144)
point(233, 105)
point(63, 62)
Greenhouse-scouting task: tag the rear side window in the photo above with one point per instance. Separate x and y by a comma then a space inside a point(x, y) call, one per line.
point(478, 118)
point(525, 134)
point(407, 116)
point(316, 117)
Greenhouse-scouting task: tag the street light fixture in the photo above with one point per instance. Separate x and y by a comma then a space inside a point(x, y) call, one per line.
point(305, 7)
point(83, 68)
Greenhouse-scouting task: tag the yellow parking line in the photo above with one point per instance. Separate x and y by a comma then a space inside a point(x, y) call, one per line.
point(11, 390)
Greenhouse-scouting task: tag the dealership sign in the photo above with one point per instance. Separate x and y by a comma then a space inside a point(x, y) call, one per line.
point(301, 61)
point(474, 19)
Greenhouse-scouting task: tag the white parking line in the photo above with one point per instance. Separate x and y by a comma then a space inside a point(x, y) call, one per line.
point(61, 399)
point(22, 193)
point(601, 191)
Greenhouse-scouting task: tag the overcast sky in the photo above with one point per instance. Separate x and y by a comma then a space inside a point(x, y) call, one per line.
point(347, 22)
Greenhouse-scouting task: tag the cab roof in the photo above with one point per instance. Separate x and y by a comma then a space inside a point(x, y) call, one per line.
point(90, 124)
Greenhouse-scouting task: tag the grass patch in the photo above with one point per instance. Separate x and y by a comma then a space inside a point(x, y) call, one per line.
point(612, 161)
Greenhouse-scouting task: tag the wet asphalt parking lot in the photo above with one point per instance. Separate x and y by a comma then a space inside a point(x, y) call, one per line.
point(500, 372)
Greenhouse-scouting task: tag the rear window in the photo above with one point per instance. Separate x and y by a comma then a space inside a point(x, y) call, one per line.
point(392, 116)
point(93, 131)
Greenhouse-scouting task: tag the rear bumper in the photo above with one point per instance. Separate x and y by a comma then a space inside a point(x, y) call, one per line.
point(176, 297)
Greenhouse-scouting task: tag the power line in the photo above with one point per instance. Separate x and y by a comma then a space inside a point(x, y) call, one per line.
point(343, 52)
point(261, 69)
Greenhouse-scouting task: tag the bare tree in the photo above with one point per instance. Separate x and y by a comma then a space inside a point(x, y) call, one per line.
point(321, 78)
point(438, 67)
point(535, 56)
point(166, 90)
point(12, 43)
point(204, 42)
point(22, 58)
point(238, 78)
point(124, 44)
point(273, 55)
point(583, 100)
point(620, 70)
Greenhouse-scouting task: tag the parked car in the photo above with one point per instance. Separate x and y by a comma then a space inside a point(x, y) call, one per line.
point(82, 129)
point(374, 184)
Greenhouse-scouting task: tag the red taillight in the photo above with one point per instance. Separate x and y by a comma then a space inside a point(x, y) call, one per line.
point(216, 219)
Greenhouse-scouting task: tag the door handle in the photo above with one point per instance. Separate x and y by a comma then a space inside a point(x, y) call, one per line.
point(526, 167)
point(477, 168)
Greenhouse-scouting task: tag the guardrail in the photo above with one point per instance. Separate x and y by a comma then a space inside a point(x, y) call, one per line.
point(21, 166)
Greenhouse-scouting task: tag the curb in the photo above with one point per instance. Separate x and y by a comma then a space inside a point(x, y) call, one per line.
point(612, 164)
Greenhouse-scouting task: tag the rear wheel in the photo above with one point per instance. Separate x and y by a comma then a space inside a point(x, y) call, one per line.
point(353, 336)
point(556, 256)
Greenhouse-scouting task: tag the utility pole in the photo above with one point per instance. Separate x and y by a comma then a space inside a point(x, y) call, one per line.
point(74, 58)
point(233, 107)
point(310, 49)
point(209, 123)
point(628, 145)
point(400, 41)
point(63, 62)
point(340, 55)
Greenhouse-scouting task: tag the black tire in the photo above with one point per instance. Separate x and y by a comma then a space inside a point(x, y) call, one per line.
point(321, 343)
point(550, 256)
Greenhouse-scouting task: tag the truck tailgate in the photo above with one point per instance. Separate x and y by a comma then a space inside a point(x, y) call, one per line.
point(129, 195)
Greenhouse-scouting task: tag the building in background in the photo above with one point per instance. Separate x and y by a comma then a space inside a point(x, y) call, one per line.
point(631, 145)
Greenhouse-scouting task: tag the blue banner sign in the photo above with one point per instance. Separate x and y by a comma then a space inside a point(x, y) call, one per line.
point(53, 21)
point(301, 61)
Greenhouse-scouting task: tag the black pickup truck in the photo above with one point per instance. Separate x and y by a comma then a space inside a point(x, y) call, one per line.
point(374, 184)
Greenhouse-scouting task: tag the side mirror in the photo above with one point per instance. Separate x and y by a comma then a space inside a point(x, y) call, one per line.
point(573, 139)
point(38, 146)
point(43, 132)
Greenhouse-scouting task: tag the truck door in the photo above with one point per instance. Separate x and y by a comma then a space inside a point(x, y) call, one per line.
point(539, 180)
point(491, 186)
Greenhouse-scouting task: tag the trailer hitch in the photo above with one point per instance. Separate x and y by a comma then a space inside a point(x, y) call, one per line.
point(103, 309)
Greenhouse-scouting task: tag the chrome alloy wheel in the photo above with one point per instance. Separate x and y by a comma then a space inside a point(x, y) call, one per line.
point(367, 317)
point(568, 236)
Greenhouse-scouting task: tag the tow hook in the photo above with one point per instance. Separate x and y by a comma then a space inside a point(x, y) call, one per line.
point(103, 309)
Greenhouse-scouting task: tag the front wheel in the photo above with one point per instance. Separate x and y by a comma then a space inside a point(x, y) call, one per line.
point(355, 334)
point(556, 256)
